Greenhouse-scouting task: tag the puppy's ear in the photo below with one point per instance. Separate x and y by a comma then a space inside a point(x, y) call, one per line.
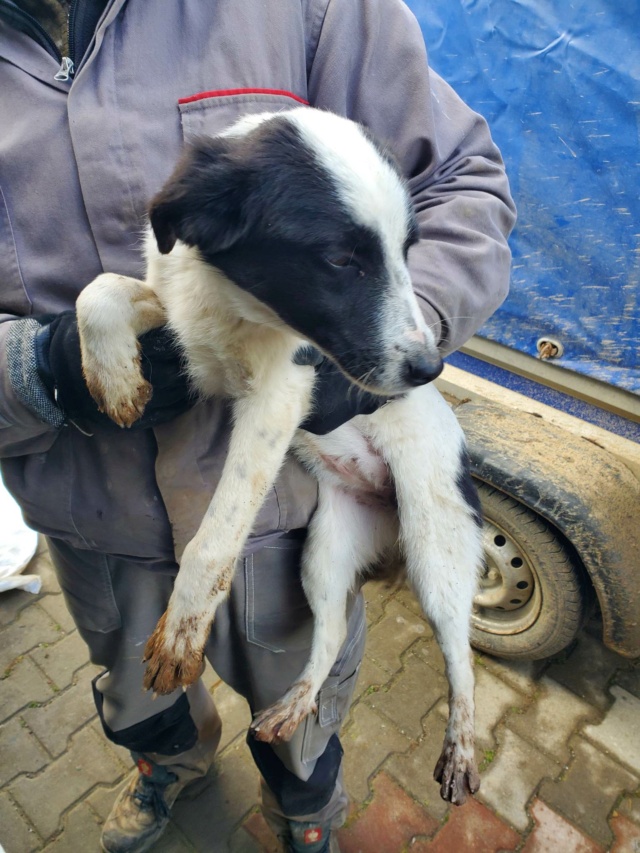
point(204, 202)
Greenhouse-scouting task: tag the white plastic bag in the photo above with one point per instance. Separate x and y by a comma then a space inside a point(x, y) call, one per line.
point(18, 544)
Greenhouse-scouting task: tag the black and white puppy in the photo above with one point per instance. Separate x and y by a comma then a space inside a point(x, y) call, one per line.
point(290, 229)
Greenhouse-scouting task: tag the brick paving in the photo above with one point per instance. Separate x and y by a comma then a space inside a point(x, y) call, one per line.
point(558, 744)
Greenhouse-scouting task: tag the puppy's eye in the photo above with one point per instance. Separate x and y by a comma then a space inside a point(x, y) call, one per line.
point(345, 262)
point(340, 260)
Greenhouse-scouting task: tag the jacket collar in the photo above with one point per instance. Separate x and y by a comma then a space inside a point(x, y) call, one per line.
point(35, 56)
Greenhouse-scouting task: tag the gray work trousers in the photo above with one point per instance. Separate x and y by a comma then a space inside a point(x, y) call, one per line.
point(260, 641)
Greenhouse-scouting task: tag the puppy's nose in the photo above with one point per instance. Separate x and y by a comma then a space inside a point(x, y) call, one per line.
point(420, 370)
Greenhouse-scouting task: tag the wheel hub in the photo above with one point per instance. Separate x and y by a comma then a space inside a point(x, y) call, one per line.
point(508, 600)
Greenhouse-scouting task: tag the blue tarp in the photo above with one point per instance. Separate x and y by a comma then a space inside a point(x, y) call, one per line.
point(559, 83)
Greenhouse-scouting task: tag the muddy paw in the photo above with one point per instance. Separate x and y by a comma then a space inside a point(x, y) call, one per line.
point(276, 725)
point(279, 722)
point(457, 774)
point(123, 403)
point(170, 665)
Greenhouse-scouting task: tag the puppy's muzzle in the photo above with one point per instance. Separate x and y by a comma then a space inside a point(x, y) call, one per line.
point(420, 369)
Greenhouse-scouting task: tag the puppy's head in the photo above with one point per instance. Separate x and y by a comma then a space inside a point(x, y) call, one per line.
point(311, 216)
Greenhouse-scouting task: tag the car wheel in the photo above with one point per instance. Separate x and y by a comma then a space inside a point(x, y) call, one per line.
point(533, 595)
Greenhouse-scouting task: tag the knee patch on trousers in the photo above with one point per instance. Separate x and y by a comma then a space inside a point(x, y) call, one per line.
point(169, 732)
point(294, 796)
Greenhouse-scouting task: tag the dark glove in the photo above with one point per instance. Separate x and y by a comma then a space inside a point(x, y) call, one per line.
point(336, 400)
point(59, 367)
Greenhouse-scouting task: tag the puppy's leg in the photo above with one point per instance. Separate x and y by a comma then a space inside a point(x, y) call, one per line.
point(265, 421)
point(441, 541)
point(112, 312)
point(344, 538)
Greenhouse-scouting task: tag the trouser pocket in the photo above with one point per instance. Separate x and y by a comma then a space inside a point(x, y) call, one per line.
point(334, 698)
point(277, 614)
point(86, 583)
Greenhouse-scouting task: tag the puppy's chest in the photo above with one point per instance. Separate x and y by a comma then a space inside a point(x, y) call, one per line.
point(220, 359)
point(227, 355)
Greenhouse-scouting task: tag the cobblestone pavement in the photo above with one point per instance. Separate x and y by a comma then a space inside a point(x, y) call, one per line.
point(558, 742)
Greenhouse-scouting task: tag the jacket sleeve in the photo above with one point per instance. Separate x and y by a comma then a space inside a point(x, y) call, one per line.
point(370, 64)
point(29, 421)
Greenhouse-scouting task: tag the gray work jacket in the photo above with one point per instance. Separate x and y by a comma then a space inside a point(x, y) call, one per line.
point(79, 160)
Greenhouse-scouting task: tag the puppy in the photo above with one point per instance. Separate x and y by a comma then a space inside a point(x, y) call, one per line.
point(287, 230)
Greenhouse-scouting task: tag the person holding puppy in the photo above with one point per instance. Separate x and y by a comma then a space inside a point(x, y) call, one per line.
point(93, 116)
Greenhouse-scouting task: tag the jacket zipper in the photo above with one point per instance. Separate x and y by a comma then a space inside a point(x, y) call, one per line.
point(66, 69)
point(72, 34)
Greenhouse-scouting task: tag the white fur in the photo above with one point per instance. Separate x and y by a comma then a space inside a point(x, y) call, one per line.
point(238, 348)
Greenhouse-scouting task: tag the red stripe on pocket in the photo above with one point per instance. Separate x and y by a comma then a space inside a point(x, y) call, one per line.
point(220, 93)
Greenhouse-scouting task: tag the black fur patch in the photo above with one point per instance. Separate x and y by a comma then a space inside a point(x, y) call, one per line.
point(467, 489)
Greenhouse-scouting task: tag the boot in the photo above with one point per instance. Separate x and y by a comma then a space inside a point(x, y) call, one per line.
point(311, 833)
point(141, 811)
point(310, 838)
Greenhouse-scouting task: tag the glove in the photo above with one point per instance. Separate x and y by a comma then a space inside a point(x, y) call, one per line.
point(59, 366)
point(336, 399)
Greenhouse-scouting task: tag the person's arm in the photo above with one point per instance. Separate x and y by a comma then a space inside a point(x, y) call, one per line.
point(29, 420)
point(371, 65)
point(42, 387)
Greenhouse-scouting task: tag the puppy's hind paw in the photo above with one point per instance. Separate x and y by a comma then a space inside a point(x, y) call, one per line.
point(279, 722)
point(457, 774)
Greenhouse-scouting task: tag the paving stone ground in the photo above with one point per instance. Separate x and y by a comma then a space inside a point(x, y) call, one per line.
point(558, 744)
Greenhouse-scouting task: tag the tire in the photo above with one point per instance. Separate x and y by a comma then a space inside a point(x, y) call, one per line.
point(534, 596)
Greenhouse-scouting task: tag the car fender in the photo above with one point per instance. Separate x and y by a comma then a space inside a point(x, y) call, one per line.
point(580, 488)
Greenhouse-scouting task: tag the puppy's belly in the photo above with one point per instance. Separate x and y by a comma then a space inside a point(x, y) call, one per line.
point(353, 475)
point(348, 460)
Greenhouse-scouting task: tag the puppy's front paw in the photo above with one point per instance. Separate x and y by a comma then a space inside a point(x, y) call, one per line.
point(457, 773)
point(174, 658)
point(119, 388)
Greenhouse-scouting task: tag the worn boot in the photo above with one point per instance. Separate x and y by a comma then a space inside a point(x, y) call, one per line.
point(306, 837)
point(315, 833)
point(141, 811)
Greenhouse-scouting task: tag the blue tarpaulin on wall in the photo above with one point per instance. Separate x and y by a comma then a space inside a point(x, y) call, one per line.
point(559, 83)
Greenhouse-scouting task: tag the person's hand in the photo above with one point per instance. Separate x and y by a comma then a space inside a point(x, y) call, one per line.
point(59, 367)
point(335, 399)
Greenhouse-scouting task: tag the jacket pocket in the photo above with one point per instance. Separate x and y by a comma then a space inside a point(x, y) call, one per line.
point(14, 294)
point(210, 113)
